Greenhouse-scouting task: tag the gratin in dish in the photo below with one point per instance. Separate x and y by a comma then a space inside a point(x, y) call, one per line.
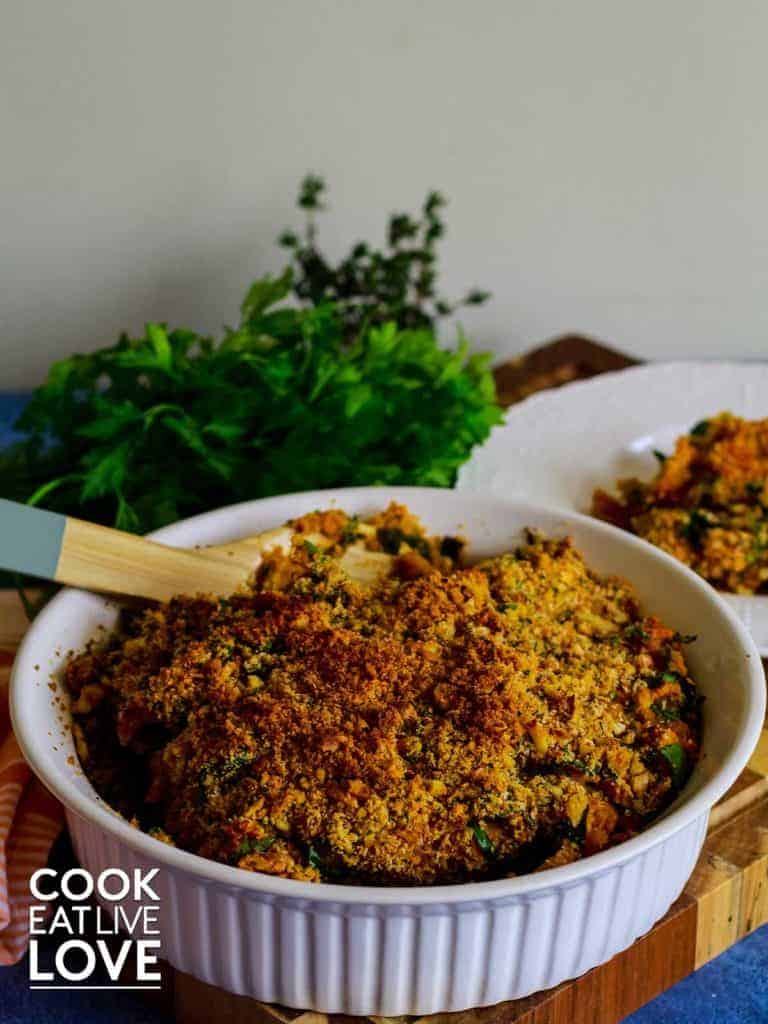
point(439, 724)
point(707, 504)
point(391, 950)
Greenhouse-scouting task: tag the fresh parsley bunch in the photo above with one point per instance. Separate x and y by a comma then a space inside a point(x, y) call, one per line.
point(160, 427)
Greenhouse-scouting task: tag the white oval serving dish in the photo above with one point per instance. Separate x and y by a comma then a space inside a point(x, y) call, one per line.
point(392, 951)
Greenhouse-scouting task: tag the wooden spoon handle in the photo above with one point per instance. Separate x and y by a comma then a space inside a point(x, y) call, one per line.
point(56, 547)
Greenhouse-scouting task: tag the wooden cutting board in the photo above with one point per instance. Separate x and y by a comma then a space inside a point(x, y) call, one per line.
point(725, 899)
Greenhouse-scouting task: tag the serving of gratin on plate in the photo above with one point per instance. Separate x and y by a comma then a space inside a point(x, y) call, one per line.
point(481, 769)
point(674, 452)
point(707, 504)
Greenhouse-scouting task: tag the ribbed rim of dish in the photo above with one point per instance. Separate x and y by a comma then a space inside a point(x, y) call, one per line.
point(98, 813)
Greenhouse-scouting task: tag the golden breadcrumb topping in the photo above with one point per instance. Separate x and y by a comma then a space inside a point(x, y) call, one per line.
point(438, 725)
point(707, 505)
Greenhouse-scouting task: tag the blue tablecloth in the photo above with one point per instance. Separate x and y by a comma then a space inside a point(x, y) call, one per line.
point(733, 989)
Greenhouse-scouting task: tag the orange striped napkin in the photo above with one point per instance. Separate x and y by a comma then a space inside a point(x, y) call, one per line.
point(30, 820)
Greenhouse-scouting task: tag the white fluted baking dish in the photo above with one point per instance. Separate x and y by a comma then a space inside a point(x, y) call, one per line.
point(389, 951)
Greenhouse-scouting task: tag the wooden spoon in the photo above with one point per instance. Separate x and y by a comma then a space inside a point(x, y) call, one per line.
point(81, 554)
point(363, 566)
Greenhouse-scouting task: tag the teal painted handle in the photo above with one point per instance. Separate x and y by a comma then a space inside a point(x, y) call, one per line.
point(81, 554)
point(30, 539)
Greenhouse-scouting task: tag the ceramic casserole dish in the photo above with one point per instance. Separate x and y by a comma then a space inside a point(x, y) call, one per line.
point(397, 950)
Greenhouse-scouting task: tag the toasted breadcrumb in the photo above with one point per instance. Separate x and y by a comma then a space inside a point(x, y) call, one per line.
point(447, 724)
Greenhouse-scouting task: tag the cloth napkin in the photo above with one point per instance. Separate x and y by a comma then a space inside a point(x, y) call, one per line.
point(30, 820)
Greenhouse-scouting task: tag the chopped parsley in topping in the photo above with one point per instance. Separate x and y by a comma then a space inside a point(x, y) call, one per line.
point(310, 548)
point(634, 634)
point(700, 429)
point(483, 840)
point(578, 764)
point(759, 544)
point(392, 539)
point(314, 859)
point(675, 755)
point(351, 531)
point(663, 677)
point(660, 456)
point(696, 527)
point(684, 638)
point(249, 845)
point(671, 714)
point(419, 544)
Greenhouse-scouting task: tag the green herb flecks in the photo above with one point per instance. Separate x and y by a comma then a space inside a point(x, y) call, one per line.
point(699, 429)
point(392, 539)
point(483, 840)
point(684, 638)
point(578, 764)
point(249, 845)
point(351, 531)
point(314, 859)
point(633, 635)
point(759, 541)
point(668, 712)
point(663, 677)
point(675, 756)
point(696, 527)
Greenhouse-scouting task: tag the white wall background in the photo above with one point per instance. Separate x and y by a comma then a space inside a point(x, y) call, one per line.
point(606, 160)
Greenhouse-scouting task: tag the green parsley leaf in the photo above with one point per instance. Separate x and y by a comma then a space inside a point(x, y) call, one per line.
point(696, 527)
point(670, 714)
point(170, 424)
point(314, 859)
point(483, 840)
point(684, 638)
point(675, 755)
point(662, 677)
point(249, 845)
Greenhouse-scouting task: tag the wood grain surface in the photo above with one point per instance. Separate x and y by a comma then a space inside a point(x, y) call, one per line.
point(725, 899)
